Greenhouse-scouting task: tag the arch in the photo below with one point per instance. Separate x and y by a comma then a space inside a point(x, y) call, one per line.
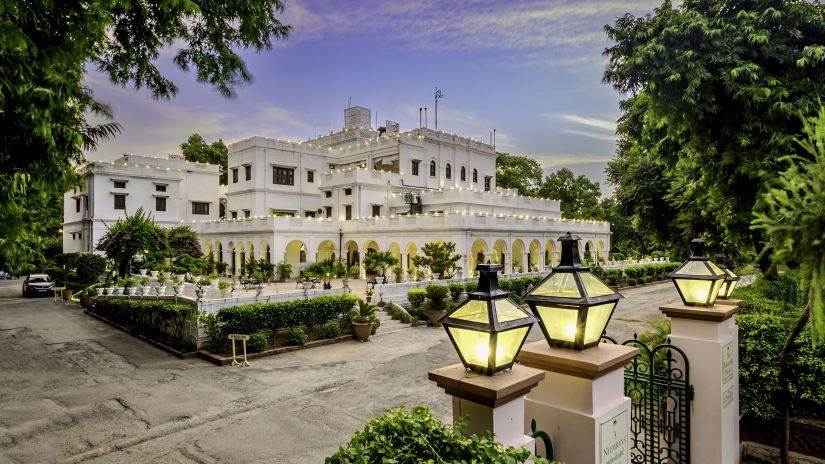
point(588, 251)
point(395, 249)
point(448, 171)
point(295, 254)
point(265, 251)
point(475, 176)
point(535, 255)
point(219, 251)
point(600, 251)
point(463, 174)
point(518, 255)
point(250, 250)
point(326, 250)
point(231, 263)
point(353, 254)
point(207, 249)
point(240, 253)
point(432, 168)
point(370, 247)
point(479, 254)
point(412, 251)
point(499, 249)
point(550, 257)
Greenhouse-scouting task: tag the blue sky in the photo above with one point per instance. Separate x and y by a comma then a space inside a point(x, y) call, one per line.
point(531, 70)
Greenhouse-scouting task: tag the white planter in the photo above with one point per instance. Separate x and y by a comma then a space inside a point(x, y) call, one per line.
point(147, 290)
point(99, 291)
point(436, 276)
point(108, 290)
point(131, 290)
point(143, 272)
point(200, 292)
point(181, 277)
point(214, 282)
point(380, 279)
point(118, 291)
point(160, 289)
point(259, 289)
point(153, 274)
point(178, 289)
point(234, 286)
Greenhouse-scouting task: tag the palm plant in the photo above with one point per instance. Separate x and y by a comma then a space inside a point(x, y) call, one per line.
point(380, 261)
point(364, 314)
point(326, 270)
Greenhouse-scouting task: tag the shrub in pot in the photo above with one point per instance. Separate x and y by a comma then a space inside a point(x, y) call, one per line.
point(437, 304)
point(362, 320)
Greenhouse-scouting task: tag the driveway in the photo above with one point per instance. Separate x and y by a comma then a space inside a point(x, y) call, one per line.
point(76, 390)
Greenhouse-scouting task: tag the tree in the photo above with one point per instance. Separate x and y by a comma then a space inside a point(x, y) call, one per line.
point(439, 257)
point(714, 91)
point(327, 269)
point(45, 47)
point(135, 234)
point(89, 267)
point(518, 172)
point(195, 149)
point(379, 262)
point(578, 195)
point(182, 240)
point(794, 225)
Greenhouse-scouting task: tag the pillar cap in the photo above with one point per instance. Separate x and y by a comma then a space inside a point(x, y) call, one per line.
point(715, 313)
point(488, 390)
point(590, 364)
point(728, 302)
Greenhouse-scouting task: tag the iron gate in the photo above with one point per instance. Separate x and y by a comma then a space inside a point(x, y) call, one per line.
point(657, 381)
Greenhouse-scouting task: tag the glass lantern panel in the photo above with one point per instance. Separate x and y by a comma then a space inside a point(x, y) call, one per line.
point(696, 291)
point(716, 269)
point(474, 346)
point(726, 289)
point(561, 284)
point(597, 317)
point(508, 344)
point(593, 286)
point(506, 310)
point(717, 285)
point(694, 268)
point(473, 310)
point(730, 273)
point(560, 321)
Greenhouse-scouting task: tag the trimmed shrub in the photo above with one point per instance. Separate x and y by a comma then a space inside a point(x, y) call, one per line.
point(632, 281)
point(89, 267)
point(416, 296)
point(256, 343)
point(437, 294)
point(455, 291)
point(330, 330)
point(157, 319)
point(471, 286)
point(296, 336)
point(418, 314)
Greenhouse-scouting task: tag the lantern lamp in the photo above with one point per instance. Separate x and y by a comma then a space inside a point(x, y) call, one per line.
point(573, 305)
point(730, 278)
point(488, 328)
point(698, 280)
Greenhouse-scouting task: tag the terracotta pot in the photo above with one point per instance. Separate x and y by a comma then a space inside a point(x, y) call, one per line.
point(415, 323)
point(67, 295)
point(369, 298)
point(85, 301)
point(362, 330)
point(374, 329)
point(435, 316)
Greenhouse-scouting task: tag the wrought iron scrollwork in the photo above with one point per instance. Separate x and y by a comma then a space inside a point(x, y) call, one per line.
point(548, 445)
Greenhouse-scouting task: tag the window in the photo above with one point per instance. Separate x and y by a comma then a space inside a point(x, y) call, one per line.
point(199, 207)
point(348, 212)
point(234, 215)
point(329, 211)
point(487, 180)
point(120, 201)
point(246, 213)
point(448, 172)
point(415, 167)
point(463, 174)
point(160, 188)
point(432, 168)
point(347, 191)
point(332, 166)
point(376, 210)
point(310, 214)
point(283, 176)
point(328, 194)
point(311, 177)
point(160, 204)
point(475, 176)
point(234, 175)
point(120, 184)
point(248, 171)
point(77, 205)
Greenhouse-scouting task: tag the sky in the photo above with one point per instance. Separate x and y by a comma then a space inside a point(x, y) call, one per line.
point(529, 69)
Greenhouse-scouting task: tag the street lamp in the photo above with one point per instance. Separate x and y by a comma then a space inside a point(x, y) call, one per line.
point(730, 278)
point(488, 328)
point(573, 305)
point(698, 280)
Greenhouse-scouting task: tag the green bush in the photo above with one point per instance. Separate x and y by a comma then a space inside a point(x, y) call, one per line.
point(471, 286)
point(152, 318)
point(418, 313)
point(331, 330)
point(416, 296)
point(89, 267)
point(632, 281)
point(256, 343)
point(455, 291)
point(296, 336)
point(437, 294)
point(418, 437)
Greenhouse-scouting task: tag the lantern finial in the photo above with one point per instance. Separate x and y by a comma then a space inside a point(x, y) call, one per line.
point(570, 253)
point(488, 281)
point(697, 250)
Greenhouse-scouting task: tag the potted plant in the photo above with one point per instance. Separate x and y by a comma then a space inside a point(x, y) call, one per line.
point(144, 285)
point(437, 304)
point(223, 287)
point(221, 266)
point(203, 284)
point(259, 287)
point(109, 288)
point(326, 270)
point(376, 323)
point(154, 274)
point(378, 262)
point(177, 285)
point(131, 285)
point(399, 273)
point(354, 271)
point(161, 288)
point(213, 280)
point(143, 273)
point(362, 320)
point(368, 294)
point(284, 270)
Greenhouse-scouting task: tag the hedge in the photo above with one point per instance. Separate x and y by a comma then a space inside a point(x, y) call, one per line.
point(152, 318)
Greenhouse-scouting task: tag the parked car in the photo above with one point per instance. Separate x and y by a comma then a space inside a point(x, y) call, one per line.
point(5, 275)
point(37, 284)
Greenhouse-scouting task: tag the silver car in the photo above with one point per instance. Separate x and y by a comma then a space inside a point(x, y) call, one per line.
point(38, 284)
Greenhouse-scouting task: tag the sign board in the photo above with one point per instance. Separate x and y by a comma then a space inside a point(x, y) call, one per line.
point(727, 396)
point(613, 440)
point(238, 337)
point(727, 362)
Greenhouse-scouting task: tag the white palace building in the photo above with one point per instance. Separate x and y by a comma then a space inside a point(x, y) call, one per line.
point(349, 193)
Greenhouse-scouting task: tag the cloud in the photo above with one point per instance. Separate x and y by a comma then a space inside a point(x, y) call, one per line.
point(550, 160)
point(592, 135)
point(592, 122)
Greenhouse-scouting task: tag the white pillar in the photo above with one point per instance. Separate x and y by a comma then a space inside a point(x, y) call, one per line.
point(361, 257)
point(404, 266)
point(709, 338)
point(581, 404)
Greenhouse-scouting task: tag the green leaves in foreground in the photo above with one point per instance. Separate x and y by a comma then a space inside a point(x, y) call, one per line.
point(418, 437)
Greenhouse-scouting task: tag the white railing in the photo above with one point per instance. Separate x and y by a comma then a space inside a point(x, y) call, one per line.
point(633, 262)
point(397, 293)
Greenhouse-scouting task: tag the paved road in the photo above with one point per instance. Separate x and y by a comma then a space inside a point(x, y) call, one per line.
point(73, 389)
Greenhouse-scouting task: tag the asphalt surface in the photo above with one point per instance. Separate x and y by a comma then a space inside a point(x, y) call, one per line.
point(74, 389)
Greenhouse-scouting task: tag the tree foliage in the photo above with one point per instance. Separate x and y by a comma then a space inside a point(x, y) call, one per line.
point(440, 258)
point(379, 262)
point(196, 149)
point(714, 90)
point(45, 48)
point(518, 172)
point(132, 235)
point(579, 196)
point(182, 240)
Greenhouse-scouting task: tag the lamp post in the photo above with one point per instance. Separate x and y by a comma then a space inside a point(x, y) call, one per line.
point(573, 305)
point(730, 278)
point(488, 328)
point(698, 280)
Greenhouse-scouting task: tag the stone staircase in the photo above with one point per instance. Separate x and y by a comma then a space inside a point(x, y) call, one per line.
point(388, 325)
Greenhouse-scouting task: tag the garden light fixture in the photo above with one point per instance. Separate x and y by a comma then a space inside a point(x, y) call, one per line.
point(488, 328)
point(573, 305)
point(698, 280)
point(730, 278)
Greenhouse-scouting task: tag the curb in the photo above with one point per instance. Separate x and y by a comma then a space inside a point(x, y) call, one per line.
point(222, 361)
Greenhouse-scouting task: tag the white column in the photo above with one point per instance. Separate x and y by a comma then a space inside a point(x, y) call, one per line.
point(361, 257)
point(709, 337)
point(404, 266)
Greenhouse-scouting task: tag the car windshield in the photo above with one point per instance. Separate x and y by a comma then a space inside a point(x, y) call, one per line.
point(37, 280)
